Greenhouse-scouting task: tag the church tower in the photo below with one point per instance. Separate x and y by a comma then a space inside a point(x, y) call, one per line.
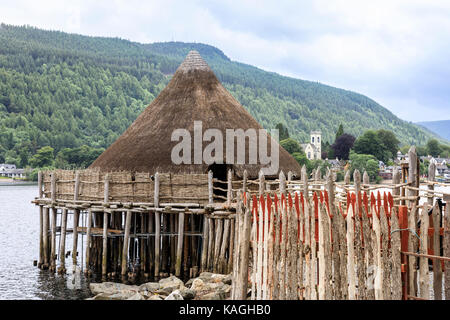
point(316, 141)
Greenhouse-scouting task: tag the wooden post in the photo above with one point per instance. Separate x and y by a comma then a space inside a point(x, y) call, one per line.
point(413, 244)
point(283, 247)
point(347, 177)
point(62, 247)
point(360, 254)
point(282, 178)
point(105, 228)
point(88, 241)
point(437, 267)
point(330, 187)
point(210, 244)
point(53, 187)
point(386, 281)
point(238, 226)
point(431, 178)
point(271, 251)
point(265, 251)
point(366, 182)
point(396, 258)
point(180, 243)
point(232, 247)
point(318, 175)
point(229, 187)
point(76, 217)
point(217, 242)
point(53, 241)
point(244, 244)
point(351, 255)
point(396, 181)
point(210, 187)
point(45, 228)
point(244, 182)
point(261, 183)
point(41, 222)
point(376, 241)
point(446, 243)
point(204, 259)
point(226, 234)
point(313, 265)
point(157, 224)
point(424, 277)
point(126, 239)
point(276, 274)
point(325, 278)
point(307, 225)
point(368, 248)
point(254, 254)
point(413, 175)
point(342, 255)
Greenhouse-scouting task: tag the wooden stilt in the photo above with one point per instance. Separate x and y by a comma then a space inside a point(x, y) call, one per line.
point(157, 241)
point(157, 224)
point(210, 244)
point(126, 240)
point(151, 242)
point(180, 243)
point(226, 234)
point(45, 229)
point(53, 241)
point(231, 247)
point(41, 222)
point(217, 242)
point(62, 247)
point(105, 245)
point(204, 259)
point(88, 242)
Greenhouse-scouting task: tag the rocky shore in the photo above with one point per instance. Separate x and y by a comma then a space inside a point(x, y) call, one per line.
point(207, 286)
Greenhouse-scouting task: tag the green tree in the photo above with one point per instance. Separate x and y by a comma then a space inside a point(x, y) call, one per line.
point(389, 141)
point(364, 162)
point(433, 147)
point(282, 131)
point(339, 132)
point(43, 158)
point(369, 143)
point(301, 158)
point(291, 145)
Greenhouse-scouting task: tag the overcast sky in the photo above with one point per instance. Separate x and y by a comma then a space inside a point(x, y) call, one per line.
point(396, 52)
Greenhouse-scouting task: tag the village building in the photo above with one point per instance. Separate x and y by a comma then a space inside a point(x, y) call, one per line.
point(313, 149)
point(10, 171)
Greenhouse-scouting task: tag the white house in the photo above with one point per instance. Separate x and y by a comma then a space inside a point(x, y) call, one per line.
point(313, 149)
point(10, 171)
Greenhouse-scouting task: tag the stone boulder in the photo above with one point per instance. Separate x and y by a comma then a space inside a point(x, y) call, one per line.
point(175, 295)
point(112, 288)
point(171, 283)
point(150, 287)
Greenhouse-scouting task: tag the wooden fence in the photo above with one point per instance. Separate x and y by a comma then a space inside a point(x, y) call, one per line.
point(314, 243)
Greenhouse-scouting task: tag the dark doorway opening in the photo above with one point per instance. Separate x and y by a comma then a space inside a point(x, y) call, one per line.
point(220, 172)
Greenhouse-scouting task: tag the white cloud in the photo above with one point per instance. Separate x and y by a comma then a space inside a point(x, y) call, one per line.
point(394, 51)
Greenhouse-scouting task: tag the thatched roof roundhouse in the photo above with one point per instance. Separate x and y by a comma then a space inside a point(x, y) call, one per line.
point(193, 94)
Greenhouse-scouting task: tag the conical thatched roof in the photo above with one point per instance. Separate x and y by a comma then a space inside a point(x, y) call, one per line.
point(193, 94)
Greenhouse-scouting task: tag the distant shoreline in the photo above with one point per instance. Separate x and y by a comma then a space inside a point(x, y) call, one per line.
point(12, 182)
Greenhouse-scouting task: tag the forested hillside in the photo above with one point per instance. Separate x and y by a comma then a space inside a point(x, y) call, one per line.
point(441, 128)
point(65, 90)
